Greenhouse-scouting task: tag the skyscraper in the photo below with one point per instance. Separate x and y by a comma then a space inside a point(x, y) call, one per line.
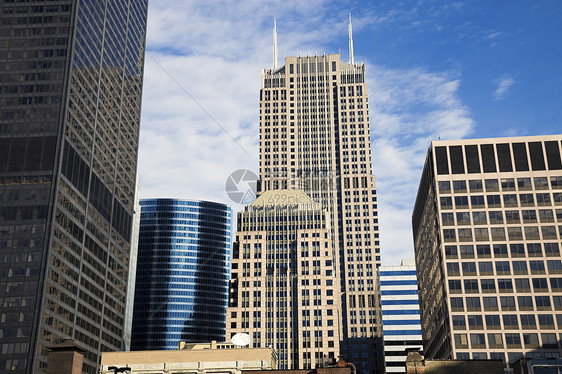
point(487, 224)
point(314, 136)
point(400, 314)
point(182, 273)
point(71, 83)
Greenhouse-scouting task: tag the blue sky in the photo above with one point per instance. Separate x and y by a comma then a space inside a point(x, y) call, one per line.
point(434, 69)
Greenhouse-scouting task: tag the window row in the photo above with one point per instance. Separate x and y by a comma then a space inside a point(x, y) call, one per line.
point(507, 340)
point(499, 201)
point(504, 285)
point(501, 217)
point(507, 184)
point(507, 303)
point(516, 250)
point(485, 234)
point(486, 268)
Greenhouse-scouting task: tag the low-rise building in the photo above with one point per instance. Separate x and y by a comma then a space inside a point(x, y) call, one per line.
point(198, 358)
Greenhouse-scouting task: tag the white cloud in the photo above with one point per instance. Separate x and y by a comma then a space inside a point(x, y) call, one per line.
point(203, 54)
point(504, 83)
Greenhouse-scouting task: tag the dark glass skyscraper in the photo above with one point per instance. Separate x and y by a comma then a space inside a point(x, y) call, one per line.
point(182, 273)
point(70, 97)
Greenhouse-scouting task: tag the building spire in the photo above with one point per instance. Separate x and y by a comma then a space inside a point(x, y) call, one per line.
point(274, 44)
point(351, 59)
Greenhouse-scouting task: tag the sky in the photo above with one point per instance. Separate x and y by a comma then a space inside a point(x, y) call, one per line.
point(434, 69)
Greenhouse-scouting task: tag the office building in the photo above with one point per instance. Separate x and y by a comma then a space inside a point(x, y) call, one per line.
point(314, 136)
point(183, 266)
point(401, 323)
point(486, 225)
point(71, 83)
point(284, 291)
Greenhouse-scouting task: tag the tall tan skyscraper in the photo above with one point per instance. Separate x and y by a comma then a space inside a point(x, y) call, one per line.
point(487, 225)
point(314, 137)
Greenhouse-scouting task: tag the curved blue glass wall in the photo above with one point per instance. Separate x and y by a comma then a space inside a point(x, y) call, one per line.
point(183, 266)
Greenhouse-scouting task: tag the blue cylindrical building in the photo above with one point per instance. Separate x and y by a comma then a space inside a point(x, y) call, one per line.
point(182, 273)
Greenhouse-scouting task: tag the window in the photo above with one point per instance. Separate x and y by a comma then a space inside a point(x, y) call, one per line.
point(488, 285)
point(471, 286)
point(446, 202)
point(467, 251)
point(529, 216)
point(444, 186)
point(494, 201)
point(532, 233)
point(522, 285)
point(491, 185)
point(481, 235)
point(525, 302)
point(490, 303)
point(546, 215)
point(475, 185)
point(531, 340)
point(455, 286)
point(500, 250)
point(459, 323)
point(534, 250)
point(541, 183)
point(483, 251)
point(537, 267)
point(468, 268)
point(498, 233)
point(513, 340)
point(495, 217)
point(543, 302)
point(457, 304)
point(461, 341)
point(554, 266)
point(451, 251)
point(551, 249)
point(546, 321)
point(508, 184)
point(543, 199)
point(505, 285)
point(495, 341)
point(512, 216)
point(528, 321)
point(463, 218)
point(510, 322)
point(465, 235)
point(461, 202)
point(449, 235)
point(514, 233)
point(459, 186)
point(540, 285)
point(479, 218)
point(507, 302)
point(548, 232)
point(473, 304)
point(503, 268)
point(524, 184)
point(477, 341)
point(519, 267)
point(493, 322)
point(477, 201)
point(527, 199)
point(485, 269)
point(453, 269)
point(448, 219)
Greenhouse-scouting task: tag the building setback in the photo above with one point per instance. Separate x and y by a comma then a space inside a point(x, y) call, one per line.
point(487, 224)
point(314, 136)
point(400, 314)
point(182, 273)
point(71, 83)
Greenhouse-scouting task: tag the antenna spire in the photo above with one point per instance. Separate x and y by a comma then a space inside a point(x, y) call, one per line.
point(274, 44)
point(351, 59)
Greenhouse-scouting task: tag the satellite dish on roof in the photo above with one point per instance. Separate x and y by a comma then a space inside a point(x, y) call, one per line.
point(241, 339)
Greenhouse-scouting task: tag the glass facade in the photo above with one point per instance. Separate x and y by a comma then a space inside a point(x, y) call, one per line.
point(71, 85)
point(182, 273)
